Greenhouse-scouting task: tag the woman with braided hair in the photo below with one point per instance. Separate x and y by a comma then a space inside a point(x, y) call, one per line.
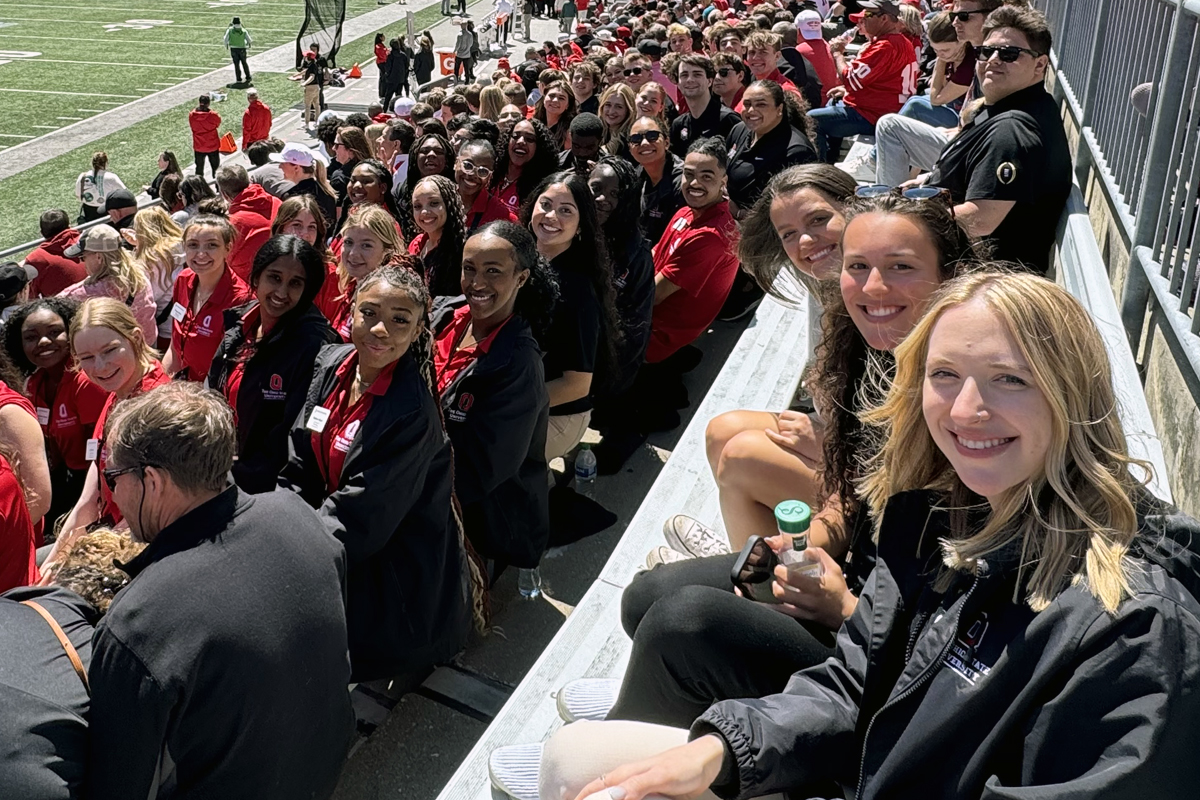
point(438, 213)
point(370, 453)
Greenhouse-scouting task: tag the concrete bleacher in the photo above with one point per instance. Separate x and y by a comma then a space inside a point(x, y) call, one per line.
point(761, 373)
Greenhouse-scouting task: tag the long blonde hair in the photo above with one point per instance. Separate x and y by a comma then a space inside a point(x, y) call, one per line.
point(123, 271)
point(1074, 520)
point(108, 312)
point(159, 246)
point(491, 102)
point(615, 136)
point(382, 225)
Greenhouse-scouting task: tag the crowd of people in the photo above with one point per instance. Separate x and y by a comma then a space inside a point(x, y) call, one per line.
point(266, 440)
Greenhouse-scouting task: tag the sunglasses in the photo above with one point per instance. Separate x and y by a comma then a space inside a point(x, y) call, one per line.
point(912, 193)
point(111, 475)
point(963, 16)
point(633, 71)
point(725, 72)
point(648, 136)
point(469, 168)
point(1008, 53)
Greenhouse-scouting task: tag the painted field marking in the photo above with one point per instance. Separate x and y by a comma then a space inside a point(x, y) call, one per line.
point(109, 103)
point(111, 27)
point(15, 136)
point(91, 110)
point(46, 127)
point(76, 94)
point(118, 41)
point(72, 119)
point(197, 70)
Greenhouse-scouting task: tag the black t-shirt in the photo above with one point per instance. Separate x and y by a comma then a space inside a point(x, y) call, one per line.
point(1014, 150)
point(660, 202)
point(752, 167)
point(718, 119)
point(590, 106)
point(574, 339)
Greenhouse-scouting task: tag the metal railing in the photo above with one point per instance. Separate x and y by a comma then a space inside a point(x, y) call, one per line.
point(24, 249)
point(1148, 166)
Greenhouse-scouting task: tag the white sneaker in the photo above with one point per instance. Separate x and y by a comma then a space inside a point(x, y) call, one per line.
point(861, 165)
point(588, 698)
point(664, 555)
point(693, 538)
point(514, 770)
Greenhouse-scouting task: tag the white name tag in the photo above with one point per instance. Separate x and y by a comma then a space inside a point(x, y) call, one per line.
point(178, 312)
point(43, 416)
point(317, 419)
point(93, 450)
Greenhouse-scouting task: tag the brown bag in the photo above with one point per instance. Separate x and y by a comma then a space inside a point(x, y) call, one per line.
point(72, 654)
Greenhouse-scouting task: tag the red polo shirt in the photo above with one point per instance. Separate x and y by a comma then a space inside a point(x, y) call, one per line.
point(233, 381)
point(18, 541)
point(697, 253)
point(338, 307)
point(507, 196)
point(488, 208)
point(69, 417)
point(331, 445)
point(776, 76)
point(155, 376)
point(448, 358)
point(196, 333)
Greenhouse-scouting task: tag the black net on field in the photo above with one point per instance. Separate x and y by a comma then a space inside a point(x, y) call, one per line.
point(322, 24)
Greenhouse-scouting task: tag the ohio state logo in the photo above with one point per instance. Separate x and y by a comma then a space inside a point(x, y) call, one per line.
point(276, 382)
point(62, 410)
point(352, 429)
point(465, 401)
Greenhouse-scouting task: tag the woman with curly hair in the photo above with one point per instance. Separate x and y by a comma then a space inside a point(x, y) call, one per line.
point(581, 349)
point(486, 349)
point(438, 213)
point(774, 134)
point(617, 109)
point(370, 454)
point(431, 154)
point(66, 402)
point(555, 109)
point(526, 155)
point(370, 184)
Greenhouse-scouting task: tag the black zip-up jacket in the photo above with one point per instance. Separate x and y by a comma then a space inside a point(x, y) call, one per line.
point(751, 166)
point(496, 412)
point(407, 606)
point(972, 695)
point(221, 669)
point(274, 384)
point(633, 279)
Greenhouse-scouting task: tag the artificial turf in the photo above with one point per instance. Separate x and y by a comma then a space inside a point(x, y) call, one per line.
point(133, 151)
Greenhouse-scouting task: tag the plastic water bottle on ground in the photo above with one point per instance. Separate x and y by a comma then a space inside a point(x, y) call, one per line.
point(585, 471)
point(529, 583)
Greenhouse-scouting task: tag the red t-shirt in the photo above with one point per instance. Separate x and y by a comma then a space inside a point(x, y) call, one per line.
point(196, 334)
point(507, 195)
point(338, 307)
point(381, 54)
point(325, 299)
point(783, 82)
point(883, 76)
point(331, 445)
point(69, 417)
point(448, 358)
point(18, 542)
point(155, 376)
point(697, 253)
point(817, 53)
point(488, 208)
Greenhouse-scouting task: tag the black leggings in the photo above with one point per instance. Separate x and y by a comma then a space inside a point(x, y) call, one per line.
point(214, 160)
point(695, 642)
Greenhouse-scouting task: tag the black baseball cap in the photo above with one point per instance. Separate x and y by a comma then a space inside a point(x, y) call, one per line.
point(13, 278)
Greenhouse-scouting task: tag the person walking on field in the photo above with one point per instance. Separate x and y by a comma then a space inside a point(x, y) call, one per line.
point(206, 142)
point(238, 41)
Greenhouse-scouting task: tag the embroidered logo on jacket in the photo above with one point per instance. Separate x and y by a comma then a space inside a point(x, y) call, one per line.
point(961, 657)
point(276, 391)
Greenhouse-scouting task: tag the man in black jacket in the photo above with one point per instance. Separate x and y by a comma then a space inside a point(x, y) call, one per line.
point(706, 115)
point(221, 670)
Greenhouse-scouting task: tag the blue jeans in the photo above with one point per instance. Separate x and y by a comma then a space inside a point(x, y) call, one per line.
point(919, 108)
point(835, 122)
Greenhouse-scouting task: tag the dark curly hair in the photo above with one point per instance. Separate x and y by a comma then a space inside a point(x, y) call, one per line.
point(21, 367)
point(384, 176)
point(543, 164)
point(447, 278)
point(536, 300)
point(588, 256)
point(404, 202)
point(622, 223)
point(838, 378)
point(795, 109)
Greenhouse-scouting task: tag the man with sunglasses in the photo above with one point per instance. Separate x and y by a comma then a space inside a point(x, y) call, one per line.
point(706, 115)
point(728, 83)
point(877, 82)
point(1009, 170)
point(221, 669)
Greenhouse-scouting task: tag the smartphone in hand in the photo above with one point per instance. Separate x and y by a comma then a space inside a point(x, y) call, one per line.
point(753, 571)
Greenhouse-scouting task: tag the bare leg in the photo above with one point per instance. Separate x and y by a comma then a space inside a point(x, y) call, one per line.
point(753, 476)
point(724, 427)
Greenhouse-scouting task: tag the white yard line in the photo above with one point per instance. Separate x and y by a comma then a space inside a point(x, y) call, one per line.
point(91, 110)
point(220, 28)
point(45, 127)
point(76, 94)
point(14, 136)
point(118, 41)
point(72, 119)
point(117, 64)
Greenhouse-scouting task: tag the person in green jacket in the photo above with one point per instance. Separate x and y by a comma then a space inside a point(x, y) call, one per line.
point(238, 40)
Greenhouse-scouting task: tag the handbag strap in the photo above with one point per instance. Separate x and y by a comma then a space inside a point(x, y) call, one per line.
point(72, 654)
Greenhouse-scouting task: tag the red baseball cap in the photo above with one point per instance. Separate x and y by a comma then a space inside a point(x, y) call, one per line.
point(624, 32)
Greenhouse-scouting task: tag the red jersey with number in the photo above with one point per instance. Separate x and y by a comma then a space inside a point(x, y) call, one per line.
point(333, 442)
point(196, 333)
point(155, 376)
point(883, 76)
point(68, 418)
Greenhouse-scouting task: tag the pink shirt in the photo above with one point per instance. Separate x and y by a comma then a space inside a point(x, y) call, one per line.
point(141, 302)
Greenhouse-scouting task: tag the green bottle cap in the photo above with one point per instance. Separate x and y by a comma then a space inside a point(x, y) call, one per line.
point(585, 446)
point(793, 516)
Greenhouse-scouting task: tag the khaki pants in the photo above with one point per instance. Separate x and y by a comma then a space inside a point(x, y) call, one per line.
point(565, 432)
point(312, 103)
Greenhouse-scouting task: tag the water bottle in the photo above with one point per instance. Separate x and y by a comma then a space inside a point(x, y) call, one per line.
point(529, 583)
point(585, 471)
point(793, 518)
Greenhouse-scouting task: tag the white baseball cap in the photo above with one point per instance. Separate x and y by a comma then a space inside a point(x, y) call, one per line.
point(403, 107)
point(808, 23)
point(299, 155)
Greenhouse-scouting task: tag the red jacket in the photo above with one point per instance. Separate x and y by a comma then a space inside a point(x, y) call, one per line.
point(252, 213)
point(204, 126)
point(55, 271)
point(256, 123)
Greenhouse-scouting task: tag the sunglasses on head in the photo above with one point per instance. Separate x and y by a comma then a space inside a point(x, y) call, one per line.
point(633, 71)
point(963, 16)
point(649, 136)
point(911, 193)
point(1008, 53)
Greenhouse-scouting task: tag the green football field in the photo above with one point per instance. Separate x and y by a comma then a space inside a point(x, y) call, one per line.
point(62, 62)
